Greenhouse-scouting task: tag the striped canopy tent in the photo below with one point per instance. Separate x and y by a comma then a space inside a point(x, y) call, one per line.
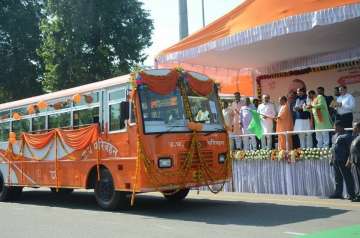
point(268, 36)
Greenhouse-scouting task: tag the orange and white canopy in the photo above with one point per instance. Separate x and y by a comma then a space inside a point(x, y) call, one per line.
point(268, 36)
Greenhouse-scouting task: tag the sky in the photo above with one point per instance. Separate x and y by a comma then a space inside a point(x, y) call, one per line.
point(165, 16)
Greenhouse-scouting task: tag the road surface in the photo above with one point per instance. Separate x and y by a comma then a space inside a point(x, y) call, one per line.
point(41, 214)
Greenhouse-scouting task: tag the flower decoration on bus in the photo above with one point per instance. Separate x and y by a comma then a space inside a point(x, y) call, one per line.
point(16, 116)
point(88, 99)
point(30, 109)
point(12, 138)
point(58, 105)
point(42, 105)
point(76, 98)
point(138, 80)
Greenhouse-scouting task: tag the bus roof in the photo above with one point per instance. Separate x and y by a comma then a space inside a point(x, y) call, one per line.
point(67, 92)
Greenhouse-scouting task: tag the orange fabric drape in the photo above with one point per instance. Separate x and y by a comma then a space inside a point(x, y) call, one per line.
point(80, 138)
point(203, 88)
point(161, 84)
point(38, 141)
point(230, 80)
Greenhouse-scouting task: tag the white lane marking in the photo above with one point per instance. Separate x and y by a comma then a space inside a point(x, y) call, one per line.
point(294, 233)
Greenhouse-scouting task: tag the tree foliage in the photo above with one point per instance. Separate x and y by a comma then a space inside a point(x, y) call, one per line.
point(90, 40)
point(20, 67)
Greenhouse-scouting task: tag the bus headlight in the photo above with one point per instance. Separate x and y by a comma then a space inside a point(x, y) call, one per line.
point(222, 158)
point(164, 162)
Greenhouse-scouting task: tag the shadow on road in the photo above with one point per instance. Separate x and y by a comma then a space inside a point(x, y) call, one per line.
point(194, 210)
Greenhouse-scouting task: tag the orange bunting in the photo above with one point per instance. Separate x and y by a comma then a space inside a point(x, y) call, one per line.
point(203, 88)
point(88, 99)
point(38, 141)
point(30, 109)
point(77, 139)
point(76, 98)
point(58, 105)
point(16, 116)
point(12, 138)
point(42, 105)
point(162, 85)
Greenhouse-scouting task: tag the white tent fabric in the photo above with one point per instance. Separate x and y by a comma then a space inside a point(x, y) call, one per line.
point(308, 177)
point(328, 31)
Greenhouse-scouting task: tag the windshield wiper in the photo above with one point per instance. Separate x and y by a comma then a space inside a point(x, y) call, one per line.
point(217, 130)
point(170, 128)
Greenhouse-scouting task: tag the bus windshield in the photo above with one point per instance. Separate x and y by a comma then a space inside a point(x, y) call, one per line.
point(162, 113)
point(165, 113)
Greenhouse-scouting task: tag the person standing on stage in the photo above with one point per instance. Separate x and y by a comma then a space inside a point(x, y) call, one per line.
point(302, 119)
point(354, 157)
point(236, 129)
point(345, 105)
point(284, 122)
point(249, 142)
point(329, 99)
point(341, 152)
point(267, 115)
point(321, 116)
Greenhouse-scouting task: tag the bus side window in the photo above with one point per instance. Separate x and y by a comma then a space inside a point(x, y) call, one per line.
point(118, 113)
point(20, 126)
point(86, 116)
point(59, 120)
point(4, 131)
point(38, 123)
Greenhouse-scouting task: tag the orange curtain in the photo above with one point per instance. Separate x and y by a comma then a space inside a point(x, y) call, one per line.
point(80, 138)
point(203, 88)
point(38, 141)
point(162, 85)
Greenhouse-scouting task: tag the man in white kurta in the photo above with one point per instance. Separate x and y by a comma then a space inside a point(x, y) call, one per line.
point(236, 129)
point(267, 114)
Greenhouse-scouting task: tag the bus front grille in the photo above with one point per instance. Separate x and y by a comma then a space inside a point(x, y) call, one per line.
point(207, 157)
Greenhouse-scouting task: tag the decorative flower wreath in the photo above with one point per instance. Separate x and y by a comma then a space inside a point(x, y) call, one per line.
point(290, 156)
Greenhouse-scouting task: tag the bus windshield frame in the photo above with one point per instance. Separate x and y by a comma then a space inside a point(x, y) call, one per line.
point(166, 113)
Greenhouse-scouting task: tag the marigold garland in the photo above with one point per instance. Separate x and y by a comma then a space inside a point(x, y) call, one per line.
point(290, 156)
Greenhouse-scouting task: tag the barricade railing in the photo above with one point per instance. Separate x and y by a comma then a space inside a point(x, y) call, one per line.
point(287, 134)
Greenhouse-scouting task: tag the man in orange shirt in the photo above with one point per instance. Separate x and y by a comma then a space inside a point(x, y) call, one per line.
point(284, 123)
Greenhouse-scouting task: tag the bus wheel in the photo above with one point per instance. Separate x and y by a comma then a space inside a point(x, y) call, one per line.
point(105, 194)
point(8, 193)
point(62, 191)
point(4, 190)
point(15, 192)
point(174, 196)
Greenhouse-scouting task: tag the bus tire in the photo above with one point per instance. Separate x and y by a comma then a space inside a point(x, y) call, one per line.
point(176, 196)
point(15, 193)
point(62, 191)
point(106, 195)
point(5, 191)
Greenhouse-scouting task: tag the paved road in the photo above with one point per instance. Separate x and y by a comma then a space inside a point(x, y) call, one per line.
point(41, 214)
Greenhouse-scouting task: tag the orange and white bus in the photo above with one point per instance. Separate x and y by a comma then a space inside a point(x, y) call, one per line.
point(155, 130)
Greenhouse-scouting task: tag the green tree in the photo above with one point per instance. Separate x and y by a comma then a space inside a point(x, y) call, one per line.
point(19, 38)
point(90, 40)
